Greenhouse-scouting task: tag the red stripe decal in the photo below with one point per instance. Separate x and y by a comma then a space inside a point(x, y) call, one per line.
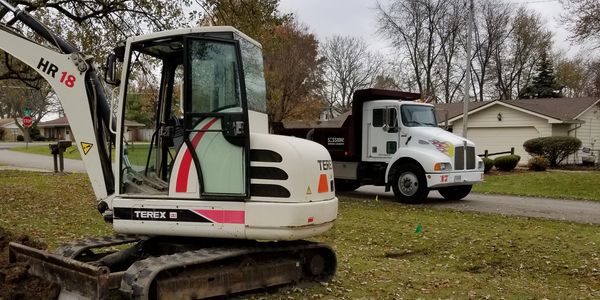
point(186, 161)
point(223, 216)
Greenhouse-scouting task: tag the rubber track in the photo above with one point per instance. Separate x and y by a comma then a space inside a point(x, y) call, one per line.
point(138, 278)
point(74, 248)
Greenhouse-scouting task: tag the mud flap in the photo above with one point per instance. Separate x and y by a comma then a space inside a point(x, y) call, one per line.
point(78, 280)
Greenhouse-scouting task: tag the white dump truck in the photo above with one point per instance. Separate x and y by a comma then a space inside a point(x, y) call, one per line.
point(391, 139)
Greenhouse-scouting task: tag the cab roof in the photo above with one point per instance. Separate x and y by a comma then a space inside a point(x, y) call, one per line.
point(186, 31)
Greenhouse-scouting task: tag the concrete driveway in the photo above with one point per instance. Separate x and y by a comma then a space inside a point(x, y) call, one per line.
point(570, 210)
point(15, 159)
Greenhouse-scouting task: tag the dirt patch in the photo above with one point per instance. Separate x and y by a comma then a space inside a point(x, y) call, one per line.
point(595, 167)
point(15, 283)
point(494, 171)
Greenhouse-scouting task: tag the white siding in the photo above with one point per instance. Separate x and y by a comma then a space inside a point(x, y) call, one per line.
point(514, 128)
point(561, 129)
point(589, 132)
point(489, 138)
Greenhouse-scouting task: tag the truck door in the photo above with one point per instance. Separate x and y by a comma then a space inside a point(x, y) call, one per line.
point(382, 132)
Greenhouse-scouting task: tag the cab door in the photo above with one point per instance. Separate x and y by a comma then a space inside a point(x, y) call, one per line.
point(382, 132)
point(216, 131)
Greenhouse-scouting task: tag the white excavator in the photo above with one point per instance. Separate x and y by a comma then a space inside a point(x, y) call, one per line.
point(217, 205)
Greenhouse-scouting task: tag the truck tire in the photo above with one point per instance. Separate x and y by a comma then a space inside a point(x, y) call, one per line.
point(455, 192)
point(409, 184)
point(345, 185)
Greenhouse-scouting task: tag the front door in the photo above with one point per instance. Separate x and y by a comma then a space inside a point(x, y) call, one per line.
point(382, 132)
point(216, 118)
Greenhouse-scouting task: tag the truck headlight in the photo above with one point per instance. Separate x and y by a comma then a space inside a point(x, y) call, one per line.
point(442, 167)
point(480, 165)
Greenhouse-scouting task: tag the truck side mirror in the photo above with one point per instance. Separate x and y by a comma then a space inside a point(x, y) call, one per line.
point(110, 70)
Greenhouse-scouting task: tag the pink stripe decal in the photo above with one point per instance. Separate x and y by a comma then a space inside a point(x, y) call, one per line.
point(186, 161)
point(223, 216)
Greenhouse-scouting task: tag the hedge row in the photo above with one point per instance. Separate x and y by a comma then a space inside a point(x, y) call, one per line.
point(503, 163)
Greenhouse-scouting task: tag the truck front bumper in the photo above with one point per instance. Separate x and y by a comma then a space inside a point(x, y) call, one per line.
point(438, 180)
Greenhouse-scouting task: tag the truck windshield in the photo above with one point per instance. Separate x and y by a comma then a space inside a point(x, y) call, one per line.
point(418, 116)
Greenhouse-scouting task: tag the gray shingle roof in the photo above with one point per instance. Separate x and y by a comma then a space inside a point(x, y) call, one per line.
point(564, 109)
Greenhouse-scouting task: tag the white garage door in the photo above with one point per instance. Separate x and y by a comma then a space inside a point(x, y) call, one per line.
point(502, 139)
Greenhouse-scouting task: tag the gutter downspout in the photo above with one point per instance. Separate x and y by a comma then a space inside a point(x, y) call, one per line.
point(577, 126)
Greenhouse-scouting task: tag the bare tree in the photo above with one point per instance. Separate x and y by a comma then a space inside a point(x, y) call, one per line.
point(593, 75)
point(515, 60)
point(571, 74)
point(349, 65)
point(583, 19)
point(450, 34)
point(492, 30)
point(415, 28)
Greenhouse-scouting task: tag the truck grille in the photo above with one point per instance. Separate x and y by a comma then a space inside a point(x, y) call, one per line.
point(459, 158)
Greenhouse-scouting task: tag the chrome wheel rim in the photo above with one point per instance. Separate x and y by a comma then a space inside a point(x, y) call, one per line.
point(408, 184)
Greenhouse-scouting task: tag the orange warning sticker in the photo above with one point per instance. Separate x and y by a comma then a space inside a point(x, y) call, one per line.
point(323, 184)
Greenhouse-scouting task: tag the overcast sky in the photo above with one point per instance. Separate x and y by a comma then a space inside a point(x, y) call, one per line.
point(358, 18)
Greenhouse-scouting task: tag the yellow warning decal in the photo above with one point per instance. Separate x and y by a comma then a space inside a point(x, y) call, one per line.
point(308, 191)
point(86, 147)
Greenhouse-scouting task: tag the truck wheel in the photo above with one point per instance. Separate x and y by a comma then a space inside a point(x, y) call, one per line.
point(409, 184)
point(455, 192)
point(345, 185)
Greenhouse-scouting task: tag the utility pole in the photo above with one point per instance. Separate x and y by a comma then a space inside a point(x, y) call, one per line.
point(468, 74)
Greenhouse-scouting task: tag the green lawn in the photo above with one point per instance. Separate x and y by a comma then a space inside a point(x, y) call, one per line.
point(552, 184)
point(380, 256)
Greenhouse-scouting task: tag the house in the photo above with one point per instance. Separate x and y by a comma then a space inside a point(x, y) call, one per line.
point(497, 126)
point(10, 130)
point(59, 129)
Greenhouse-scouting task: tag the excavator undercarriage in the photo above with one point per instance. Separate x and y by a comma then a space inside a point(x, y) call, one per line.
point(165, 268)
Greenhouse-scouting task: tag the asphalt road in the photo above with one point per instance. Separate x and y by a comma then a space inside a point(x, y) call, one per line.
point(569, 210)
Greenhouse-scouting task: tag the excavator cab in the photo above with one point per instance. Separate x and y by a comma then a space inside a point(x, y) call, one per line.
point(199, 88)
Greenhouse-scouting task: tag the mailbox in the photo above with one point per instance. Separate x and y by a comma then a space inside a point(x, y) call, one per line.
point(57, 149)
